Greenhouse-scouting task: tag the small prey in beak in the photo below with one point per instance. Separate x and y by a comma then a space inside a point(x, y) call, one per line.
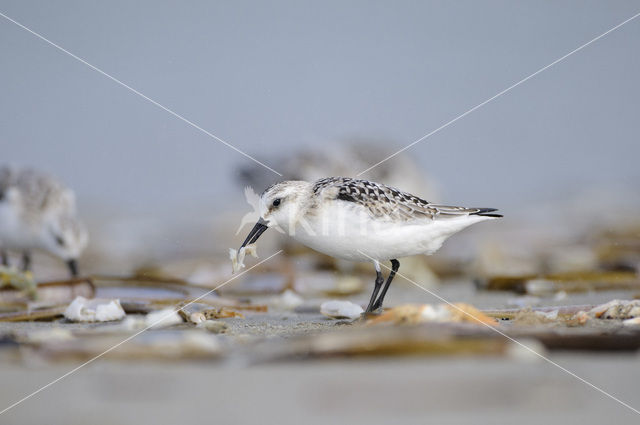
point(248, 246)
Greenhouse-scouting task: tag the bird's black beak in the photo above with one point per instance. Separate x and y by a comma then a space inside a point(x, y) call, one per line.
point(73, 267)
point(255, 233)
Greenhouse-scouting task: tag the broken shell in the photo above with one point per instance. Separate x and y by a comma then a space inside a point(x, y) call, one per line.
point(197, 317)
point(341, 309)
point(95, 310)
point(617, 309)
point(163, 318)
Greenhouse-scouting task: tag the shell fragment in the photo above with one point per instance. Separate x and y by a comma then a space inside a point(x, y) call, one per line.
point(237, 256)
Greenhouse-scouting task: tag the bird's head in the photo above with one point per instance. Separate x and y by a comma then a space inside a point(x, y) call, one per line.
point(65, 237)
point(280, 205)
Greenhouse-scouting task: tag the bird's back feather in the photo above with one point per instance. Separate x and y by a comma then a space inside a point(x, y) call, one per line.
point(387, 203)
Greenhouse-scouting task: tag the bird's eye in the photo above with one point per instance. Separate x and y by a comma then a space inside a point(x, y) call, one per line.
point(59, 240)
point(276, 202)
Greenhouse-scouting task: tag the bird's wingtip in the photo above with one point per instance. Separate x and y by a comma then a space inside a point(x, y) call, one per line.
point(488, 212)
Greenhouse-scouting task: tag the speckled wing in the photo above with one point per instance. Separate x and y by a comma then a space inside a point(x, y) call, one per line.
point(387, 203)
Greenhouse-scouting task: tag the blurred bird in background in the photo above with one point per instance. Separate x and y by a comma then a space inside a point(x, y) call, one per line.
point(38, 212)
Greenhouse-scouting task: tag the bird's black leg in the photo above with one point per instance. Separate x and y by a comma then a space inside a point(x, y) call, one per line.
point(26, 261)
point(376, 289)
point(395, 265)
point(5, 258)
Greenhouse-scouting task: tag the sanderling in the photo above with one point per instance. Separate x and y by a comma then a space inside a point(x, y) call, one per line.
point(360, 220)
point(38, 212)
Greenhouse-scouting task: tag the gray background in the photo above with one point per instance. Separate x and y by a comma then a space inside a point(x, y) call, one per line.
point(272, 77)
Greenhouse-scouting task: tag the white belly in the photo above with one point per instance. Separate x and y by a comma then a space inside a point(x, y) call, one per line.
point(14, 232)
point(340, 233)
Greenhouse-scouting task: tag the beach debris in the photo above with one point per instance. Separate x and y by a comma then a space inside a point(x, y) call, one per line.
point(163, 318)
point(569, 282)
point(624, 310)
point(197, 317)
point(237, 256)
point(337, 309)
point(221, 313)
point(213, 326)
point(529, 317)
point(22, 281)
point(564, 312)
point(580, 318)
point(617, 309)
point(33, 315)
point(47, 294)
point(197, 313)
point(441, 313)
point(288, 300)
point(94, 310)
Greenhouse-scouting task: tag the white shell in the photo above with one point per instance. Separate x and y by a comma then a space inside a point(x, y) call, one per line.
point(237, 257)
point(162, 318)
point(341, 309)
point(95, 310)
